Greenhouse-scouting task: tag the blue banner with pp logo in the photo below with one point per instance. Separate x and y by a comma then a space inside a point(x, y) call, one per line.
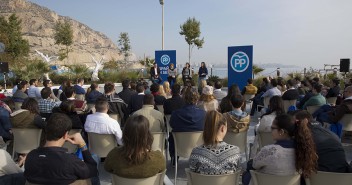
point(240, 62)
point(164, 58)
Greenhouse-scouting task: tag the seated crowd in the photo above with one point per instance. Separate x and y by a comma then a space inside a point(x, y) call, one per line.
point(303, 142)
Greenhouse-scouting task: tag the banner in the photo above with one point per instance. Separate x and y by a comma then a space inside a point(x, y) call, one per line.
point(164, 58)
point(240, 62)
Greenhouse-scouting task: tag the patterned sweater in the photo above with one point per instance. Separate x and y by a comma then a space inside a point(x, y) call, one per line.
point(221, 159)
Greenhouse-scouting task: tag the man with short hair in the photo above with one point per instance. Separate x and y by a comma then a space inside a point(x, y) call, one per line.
point(316, 99)
point(116, 104)
point(46, 104)
point(101, 123)
point(52, 164)
point(70, 95)
point(137, 99)
point(78, 87)
point(155, 74)
point(273, 91)
point(126, 93)
point(249, 88)
point(33, 91)
point(155, 118)
point(175, 102)
point(292, 92)
point(334, 90)
point(237, 120)
point(218, 93)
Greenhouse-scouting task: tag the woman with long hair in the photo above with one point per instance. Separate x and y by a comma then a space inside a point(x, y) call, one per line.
point(172, 74)
point(28, 116)
point(293, 152)
point(135, 159)
point(92, 93)
point(225, 104)
point(207, 100)
point(202, 72)
point(215, 156)
point(186, 73)
point(162, 92)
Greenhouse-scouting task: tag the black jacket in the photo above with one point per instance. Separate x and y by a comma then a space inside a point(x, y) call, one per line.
point(117, 106)
point(126, 95)
point(174, 103)
point(136, 102)
point(291, 94)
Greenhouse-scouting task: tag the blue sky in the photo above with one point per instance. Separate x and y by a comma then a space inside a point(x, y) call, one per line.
point(300, 32)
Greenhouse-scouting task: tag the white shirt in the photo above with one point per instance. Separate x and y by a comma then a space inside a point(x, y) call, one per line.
point(156, 71)
point(7, 165)
point(272, 92)
point(101, 123)
point(34, 92)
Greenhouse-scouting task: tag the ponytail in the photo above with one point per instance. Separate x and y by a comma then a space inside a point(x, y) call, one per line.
point(306, 156)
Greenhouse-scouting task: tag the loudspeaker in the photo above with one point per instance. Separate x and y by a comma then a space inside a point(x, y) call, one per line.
point(4, 67)
point(345, 65)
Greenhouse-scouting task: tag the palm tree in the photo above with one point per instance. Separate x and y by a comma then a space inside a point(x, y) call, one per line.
point(256, 70)
point(79, 71)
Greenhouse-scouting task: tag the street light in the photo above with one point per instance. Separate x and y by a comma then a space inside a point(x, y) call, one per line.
point(162, 24)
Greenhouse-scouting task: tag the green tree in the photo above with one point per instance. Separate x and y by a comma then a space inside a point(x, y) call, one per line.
point(256, 70)
point(111, 65)
point(16, 48)
point(191, 30)
point(63, 36)
point(79, 71)
point(32, 69)
point(124, 44)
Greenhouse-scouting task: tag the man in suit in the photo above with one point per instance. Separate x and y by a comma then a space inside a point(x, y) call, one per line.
point(126, 93)
point(175, 102)
point(137, 99)
point(291, 93)
point(155, 74)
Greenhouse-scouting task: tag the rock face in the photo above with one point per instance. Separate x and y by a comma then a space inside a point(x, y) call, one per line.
point(38, 28)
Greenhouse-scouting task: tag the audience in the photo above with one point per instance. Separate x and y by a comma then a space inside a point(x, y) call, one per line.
point(167, 89)
point(189, 118)
point(249, 88)
point(162, 92)
point(225, 104)
point(52, 164)
point(334, 90)
point(5, 126)
point(101, 123)
point(46, 104)
point(273, 91)
point(175, 102)
point(11, 172)
point(116, 104)
point(159, 99)
point(237, 120)
point(20, 94)
point(218, 93)
point(92, 93)
point(214, 157)
point(78, 87)
point(135, 159)
point(317, 99)
point(28, 116)
point(137, 99)
point(68, 107)
point(33, 90)
point(207, 100)
point(155, 118)
point(294, 150)
point(70, 96)
point(126, 93)
point(291, 93)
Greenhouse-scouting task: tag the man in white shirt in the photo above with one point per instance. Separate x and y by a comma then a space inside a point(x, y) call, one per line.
point(155, 118)
point(274, 91)
point(218, 93)
point(33, 91)
point(101, 123)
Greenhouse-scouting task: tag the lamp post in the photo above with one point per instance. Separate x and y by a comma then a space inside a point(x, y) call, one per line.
point(162, 23)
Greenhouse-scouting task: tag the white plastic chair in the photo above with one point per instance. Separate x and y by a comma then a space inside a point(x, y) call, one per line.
point(184, 144)
point(346, 121)
point(288, 103)
point(268, 179)
point(101, 144)
point(328, 178)
point(25, 140)
point(159, 141)
point(157, 179)
point(238, 139)
point(116, 117)
point(265, 138)
point(248, 98)
point(200, 179)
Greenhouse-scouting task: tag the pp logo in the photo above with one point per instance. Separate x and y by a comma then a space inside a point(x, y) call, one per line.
point(165, 59)
point(239, 61)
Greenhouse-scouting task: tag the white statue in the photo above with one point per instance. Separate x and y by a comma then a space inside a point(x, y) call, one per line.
point(47, 59)
point(99, 65)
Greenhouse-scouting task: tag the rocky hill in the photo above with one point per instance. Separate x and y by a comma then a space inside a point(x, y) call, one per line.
point(38, 27)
